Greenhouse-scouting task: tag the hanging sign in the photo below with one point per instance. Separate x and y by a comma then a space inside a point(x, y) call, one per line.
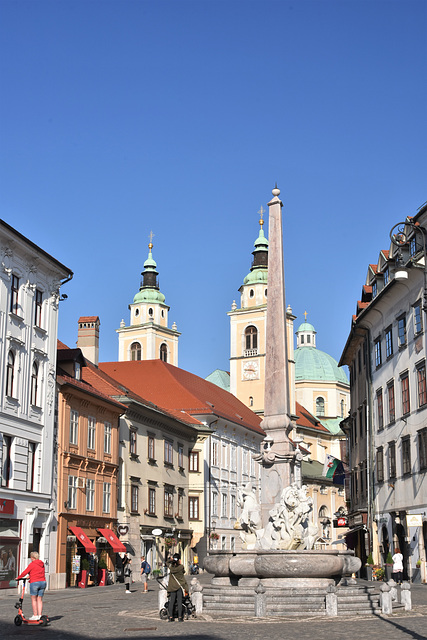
point(414, 520)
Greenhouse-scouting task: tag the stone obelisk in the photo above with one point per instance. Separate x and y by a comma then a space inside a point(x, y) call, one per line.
point(278, 453)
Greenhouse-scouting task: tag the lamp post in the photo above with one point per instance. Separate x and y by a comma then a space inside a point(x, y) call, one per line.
point(402, 234)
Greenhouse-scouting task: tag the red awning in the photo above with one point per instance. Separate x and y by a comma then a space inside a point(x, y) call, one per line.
point(113, 540)
point(83, 539)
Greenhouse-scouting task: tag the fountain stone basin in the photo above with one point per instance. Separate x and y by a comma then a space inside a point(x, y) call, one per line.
point(281, 564)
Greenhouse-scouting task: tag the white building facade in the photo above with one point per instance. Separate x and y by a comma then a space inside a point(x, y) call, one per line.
point(30, 281)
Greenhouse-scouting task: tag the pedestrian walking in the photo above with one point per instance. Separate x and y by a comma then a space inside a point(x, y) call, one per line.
point(397, 570)
point(127, 572)
point(176, 586)
point(37, 575)
point(145, 570)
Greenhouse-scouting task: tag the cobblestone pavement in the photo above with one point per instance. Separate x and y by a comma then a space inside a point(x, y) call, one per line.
point(108, 612)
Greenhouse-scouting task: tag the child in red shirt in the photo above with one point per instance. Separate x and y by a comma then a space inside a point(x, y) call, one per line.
point(37, 584)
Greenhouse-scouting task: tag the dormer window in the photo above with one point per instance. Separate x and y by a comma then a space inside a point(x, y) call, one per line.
point(77, 371)
point(374, 289)
point(386, 276)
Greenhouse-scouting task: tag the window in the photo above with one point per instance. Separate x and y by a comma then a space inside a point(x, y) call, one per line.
point(388, 342)
point(151, 449)
point(135, 351)
point(374, 288)
point(215, 453)
point(223, 543)
point(414, 245)
point(377, 350)
point(107, 438)
point(194, 461)
point(302, 339)
point(308, 339)
point(38, 308)
point(401, 331)
point(214, 504)
point(245, 462)
point(134, 498)
point(406, 455)
point(106, 497)
point(233, 458)
point(251, 340)
point(90, 494)
point(386, 275)
point(232, 506)
point(91, 432)
point(232, 543)
point(380, 409)
point(34, 383)
point(422, 448)
point(392, 459)
point(251, 401)
point(168, 452)
point(342, 405)
point(132, 442)
point(150, 312)
point(180, 504)
point(6, 469)
point(10, 374)
point(418, 319)
point(224, 505)
point(181, 456)
point(77, 371)
point(72, 492)
point(31, 465)
point(320, 406)
point(163, 352)
point(380, 465)
point(421, 381)
point(405, 394)
point(151, 501)
point(193, 508)
point(391, 402)
point(168, 503)
point(74, 426)
point(14, 298)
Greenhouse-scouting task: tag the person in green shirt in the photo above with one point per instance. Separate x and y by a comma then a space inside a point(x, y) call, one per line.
point(176, 586)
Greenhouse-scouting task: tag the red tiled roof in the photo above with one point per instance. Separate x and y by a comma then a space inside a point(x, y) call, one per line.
point(180, 391)
point(386, 253)
point(88, 319)
point(374, 267)
point(61, 345)
point(306, 419)
point(85, 386)
point(367, 288)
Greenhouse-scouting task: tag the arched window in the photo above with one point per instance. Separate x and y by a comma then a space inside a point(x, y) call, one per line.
point(320, 406)
point(251, 338)
point(323, 512)
point(251, 401)
point(34, 383)
point(135, 351)
point(163, 352)
point(10, 373)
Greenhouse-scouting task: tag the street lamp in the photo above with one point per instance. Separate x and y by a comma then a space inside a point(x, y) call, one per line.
point(405, 233)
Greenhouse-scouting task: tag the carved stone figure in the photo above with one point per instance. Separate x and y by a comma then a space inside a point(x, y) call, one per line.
point(250, 518)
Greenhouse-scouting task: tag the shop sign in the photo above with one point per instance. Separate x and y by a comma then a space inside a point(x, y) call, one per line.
point(122, 529)
point(414, 520)
point(340, 522)
point(7, 506)
point(75, 568)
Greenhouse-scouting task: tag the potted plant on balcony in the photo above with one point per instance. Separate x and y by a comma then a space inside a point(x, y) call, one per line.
point(102, 573)
point(83, 576)
point(388, 566)
point(369, 566)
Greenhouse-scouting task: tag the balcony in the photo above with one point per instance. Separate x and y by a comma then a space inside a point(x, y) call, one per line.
point(248, 353)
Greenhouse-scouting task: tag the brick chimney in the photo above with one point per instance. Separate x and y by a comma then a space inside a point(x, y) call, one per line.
point(88, 337)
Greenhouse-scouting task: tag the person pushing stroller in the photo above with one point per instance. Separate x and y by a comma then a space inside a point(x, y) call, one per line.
point(176, 585)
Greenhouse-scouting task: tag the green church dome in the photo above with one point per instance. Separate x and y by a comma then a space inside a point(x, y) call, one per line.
point(257, 276)
point(306, 326)
point(312, 364)
point(149, 295)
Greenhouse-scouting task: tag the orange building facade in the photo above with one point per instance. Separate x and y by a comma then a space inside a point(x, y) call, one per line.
point(87, 472)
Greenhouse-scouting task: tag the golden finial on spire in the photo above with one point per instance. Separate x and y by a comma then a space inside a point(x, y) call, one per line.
point(151, 236)
point(305, 316)
point(261, 213)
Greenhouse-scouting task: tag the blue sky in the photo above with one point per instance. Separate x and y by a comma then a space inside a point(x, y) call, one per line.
point(121, 117)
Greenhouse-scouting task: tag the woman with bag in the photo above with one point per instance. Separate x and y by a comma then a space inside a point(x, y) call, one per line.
point(176, 586)
point(127, 572)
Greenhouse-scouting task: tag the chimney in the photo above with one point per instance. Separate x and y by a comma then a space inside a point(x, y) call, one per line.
point(88, 337)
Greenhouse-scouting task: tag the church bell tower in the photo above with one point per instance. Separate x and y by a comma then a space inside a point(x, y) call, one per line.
point(148, 336)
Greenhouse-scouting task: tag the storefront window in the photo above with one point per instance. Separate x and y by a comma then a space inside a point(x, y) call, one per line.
point(9, 547)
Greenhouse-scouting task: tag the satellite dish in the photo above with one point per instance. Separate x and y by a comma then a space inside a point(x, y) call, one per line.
point(157, 532)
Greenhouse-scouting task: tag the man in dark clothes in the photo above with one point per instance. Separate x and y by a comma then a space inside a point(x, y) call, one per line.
point(177, 583)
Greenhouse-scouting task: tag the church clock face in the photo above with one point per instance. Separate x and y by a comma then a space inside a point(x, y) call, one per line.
point(250, 370)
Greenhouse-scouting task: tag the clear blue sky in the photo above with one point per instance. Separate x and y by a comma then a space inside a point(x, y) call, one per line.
point(120, 117)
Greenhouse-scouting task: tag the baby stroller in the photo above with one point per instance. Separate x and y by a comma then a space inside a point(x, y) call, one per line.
point(188, 608)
